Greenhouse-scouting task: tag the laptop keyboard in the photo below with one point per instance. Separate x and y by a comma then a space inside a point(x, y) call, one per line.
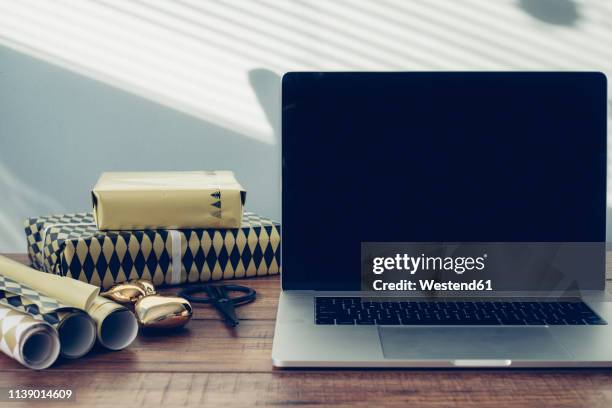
point(364, 311)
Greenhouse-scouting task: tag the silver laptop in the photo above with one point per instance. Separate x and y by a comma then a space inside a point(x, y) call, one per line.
point(443, 219)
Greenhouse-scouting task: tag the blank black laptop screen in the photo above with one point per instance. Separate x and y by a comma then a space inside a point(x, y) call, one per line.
point(455, 157)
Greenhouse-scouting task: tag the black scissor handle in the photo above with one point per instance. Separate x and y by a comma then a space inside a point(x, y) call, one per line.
point(217, 292)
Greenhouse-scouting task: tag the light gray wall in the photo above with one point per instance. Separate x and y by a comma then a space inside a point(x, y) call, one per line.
point(60, 130)
point(87, 86)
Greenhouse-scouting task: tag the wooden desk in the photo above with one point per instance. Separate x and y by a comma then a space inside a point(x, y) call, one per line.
point(207, 364)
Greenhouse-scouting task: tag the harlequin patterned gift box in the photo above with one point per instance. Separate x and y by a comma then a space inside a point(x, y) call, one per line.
point(71, 245)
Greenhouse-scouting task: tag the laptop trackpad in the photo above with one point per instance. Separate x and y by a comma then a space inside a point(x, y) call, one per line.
point(456, 343)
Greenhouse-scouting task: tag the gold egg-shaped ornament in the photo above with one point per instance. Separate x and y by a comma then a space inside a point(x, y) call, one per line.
point(127, 292)
point(146, 285)
point(163, 312)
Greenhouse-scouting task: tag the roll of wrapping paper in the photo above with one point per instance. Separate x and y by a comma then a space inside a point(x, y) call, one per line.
point(77, 331)
point(116, 325)
point(68, 291)
point(32, 342)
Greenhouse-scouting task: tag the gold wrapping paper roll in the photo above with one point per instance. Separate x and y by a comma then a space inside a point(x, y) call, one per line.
point(33, 343)
point(77, 333)
point(116, 325)
point(68, 291)
point(76, 330)
point(168, 200)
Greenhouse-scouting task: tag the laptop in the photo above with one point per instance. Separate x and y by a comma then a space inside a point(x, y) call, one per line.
point(443, 219)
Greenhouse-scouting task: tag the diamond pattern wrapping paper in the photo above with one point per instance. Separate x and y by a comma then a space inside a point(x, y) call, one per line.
point(76, 329)
point(70, 245)
point(33, 343)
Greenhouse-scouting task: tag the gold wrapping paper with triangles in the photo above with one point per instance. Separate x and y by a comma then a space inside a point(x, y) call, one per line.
point(33, 343)
point(71, 245)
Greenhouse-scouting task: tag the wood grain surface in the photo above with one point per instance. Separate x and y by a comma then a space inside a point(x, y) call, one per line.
point(207, 364)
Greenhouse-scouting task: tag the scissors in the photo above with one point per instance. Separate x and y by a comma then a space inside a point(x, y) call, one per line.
point(218, 296)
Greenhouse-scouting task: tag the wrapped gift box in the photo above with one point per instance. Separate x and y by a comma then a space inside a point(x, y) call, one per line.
point(71, 245)
point(168, 200)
